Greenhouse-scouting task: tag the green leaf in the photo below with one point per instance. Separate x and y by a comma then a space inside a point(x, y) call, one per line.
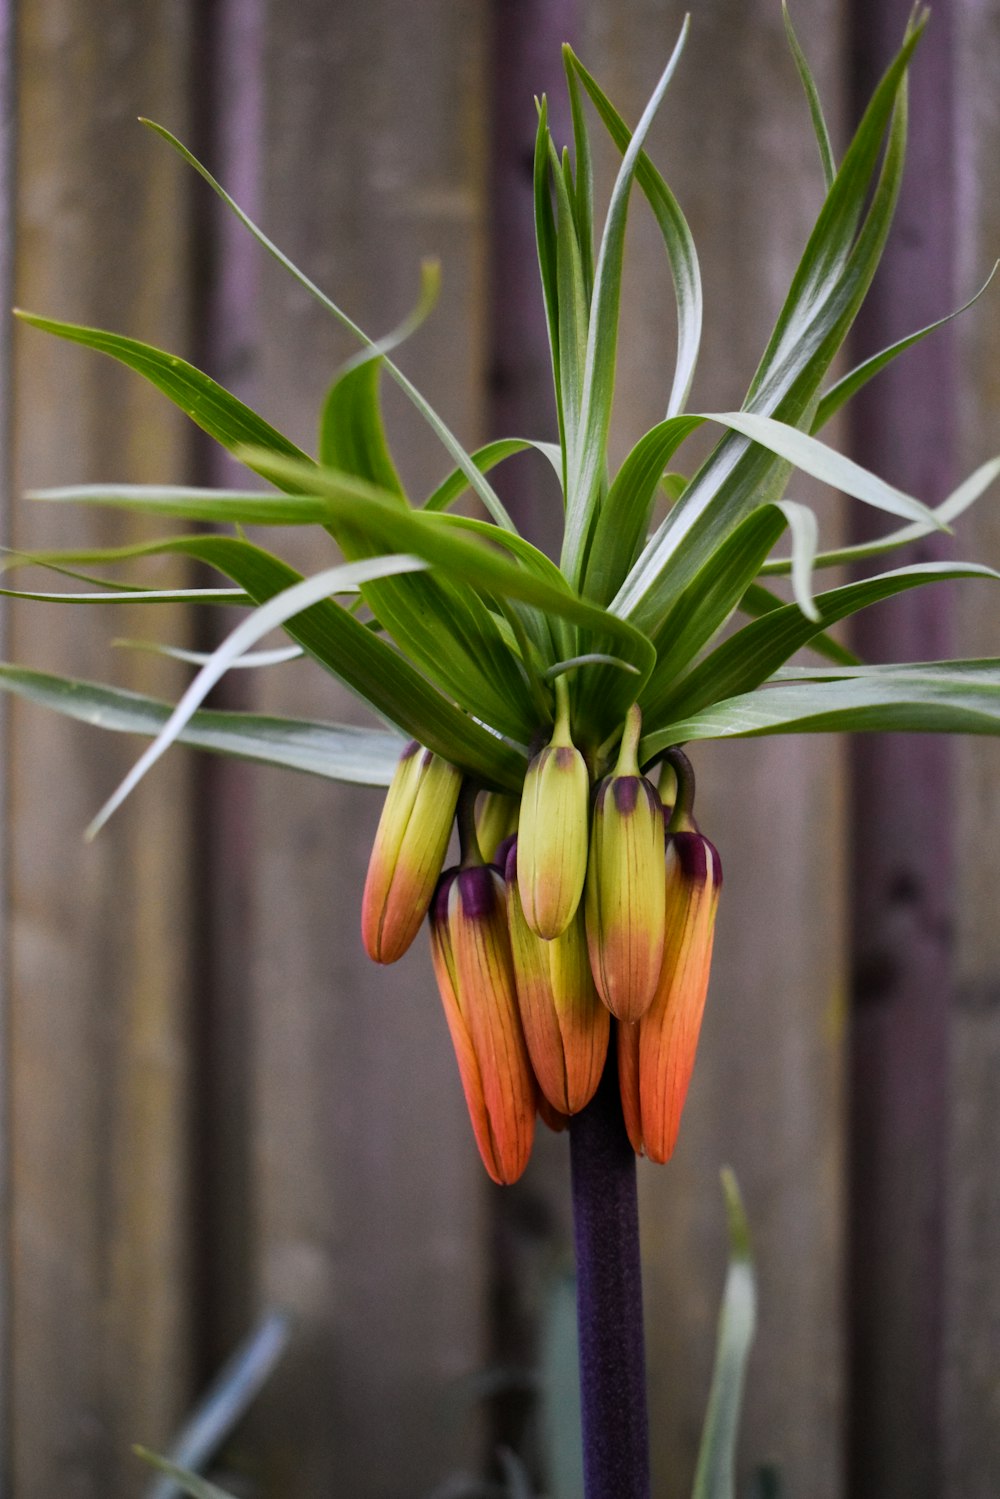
point(432, 537)
point(910, 702)
point(587, 456)
point(265, 618)
point(677, 238)
point(444, 628)
point(485, 458)
point(975, 670)
point(593, 658)
point(852, 382)
point(351, 651)
point(950, 509)
point(623, 517)
point(133, 596)
point(191, 1483)
point(709, 600)
point(715, 1476)
point(805, 537)
point(574, 314)
point(812, 98)
point(338, 752)
point(225, 1401)
point(208, 404)
point(583, 198)
point(187, 502)
point(759, 600)
point(707, 603)
point(253, 660)
point(821, 462)
point(351, 432)
point(442, 625)
point(545, 241)
point(838, 261)
point(829, 286)
point(450, 442)
point(750, 656)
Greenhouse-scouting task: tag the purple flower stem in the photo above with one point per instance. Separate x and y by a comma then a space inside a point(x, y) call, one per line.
point(609, 1299)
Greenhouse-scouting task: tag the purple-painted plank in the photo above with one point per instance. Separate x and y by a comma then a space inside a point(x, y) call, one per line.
point(903, 426)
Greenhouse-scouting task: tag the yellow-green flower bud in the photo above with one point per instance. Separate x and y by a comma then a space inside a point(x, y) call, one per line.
point(408, 852)
point(496, 820)
point(552, 832)
point(625, 884)
point(565, 1024)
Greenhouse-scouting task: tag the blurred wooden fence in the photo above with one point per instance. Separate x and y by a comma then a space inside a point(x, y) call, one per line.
point(212, 1102)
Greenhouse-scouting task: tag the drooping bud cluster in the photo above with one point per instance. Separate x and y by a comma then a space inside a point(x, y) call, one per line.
point(601, 906)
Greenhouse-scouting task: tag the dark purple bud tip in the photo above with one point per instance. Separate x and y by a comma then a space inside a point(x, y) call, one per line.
point(506, 858)
point(696, 856)
point(410, 750)
point(477, 891)
point(625, 790)
point(439, 903)
point(565, 757)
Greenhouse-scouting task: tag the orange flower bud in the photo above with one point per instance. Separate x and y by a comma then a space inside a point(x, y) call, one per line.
point(668, 1032)
point(552, 832)
point(565, 1024)
point(627, 1042)
point(408, 852)
point(472, 962)
point(625, 883)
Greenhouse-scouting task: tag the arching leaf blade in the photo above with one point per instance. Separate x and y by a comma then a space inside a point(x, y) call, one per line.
point(849, 385)
point(677, 238)
point(209, 405)
point(339, 752)
point(449, 441)
point(715, 1474)
point(820, 130)
point(588, 457)
point(750, 657)
point(949, 510)
point(908, 704)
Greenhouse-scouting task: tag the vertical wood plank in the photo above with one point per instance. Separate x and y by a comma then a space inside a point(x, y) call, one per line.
point(734, 142)
point(531, 1227)
point(971, 1419)
point(369, 1191)
point(6, 289)
point(98, 934)
point(902, 902)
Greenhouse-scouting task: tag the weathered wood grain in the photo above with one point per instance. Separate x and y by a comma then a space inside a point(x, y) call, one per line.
point(902, 914)
point(971, 1422)
point(734, 142)
point(369, 1195)
point(99, 959)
